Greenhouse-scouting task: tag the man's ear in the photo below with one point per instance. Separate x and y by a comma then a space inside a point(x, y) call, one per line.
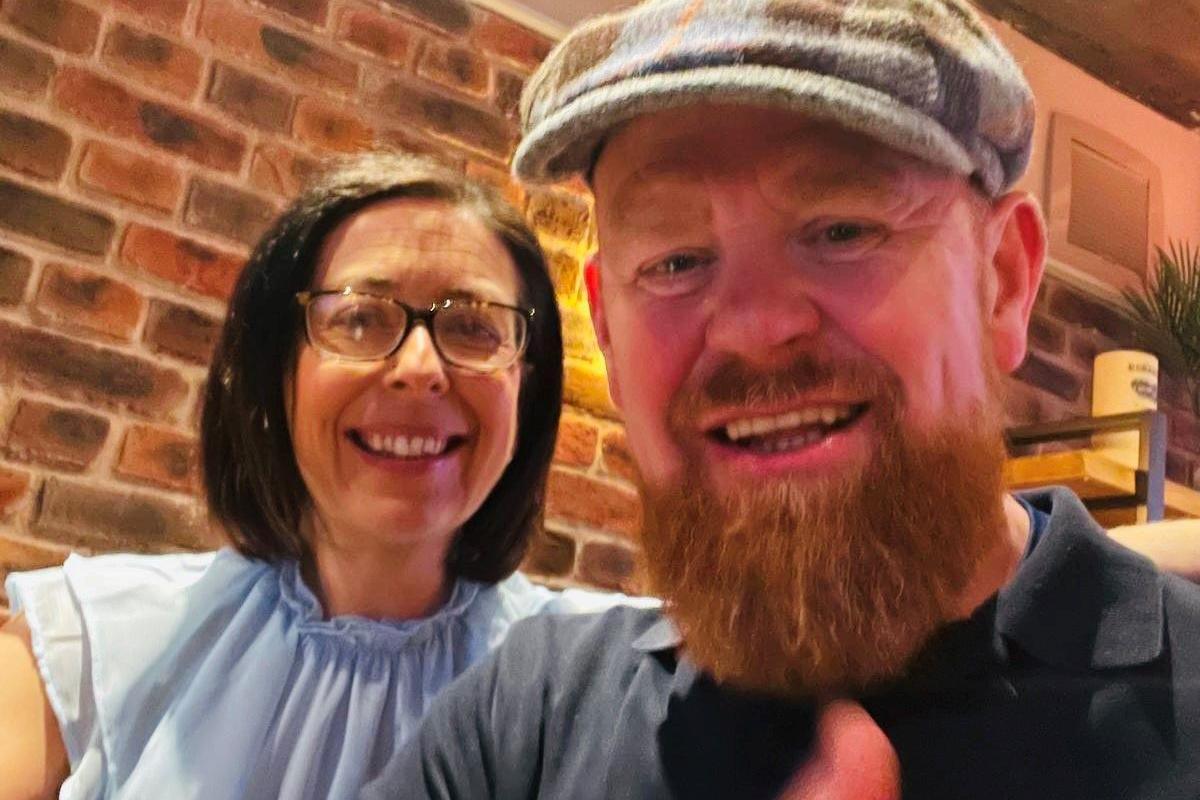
point(1015, 244)
point(591, 279)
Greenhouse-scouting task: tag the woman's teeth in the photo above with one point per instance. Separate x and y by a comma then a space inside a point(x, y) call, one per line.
point(403, 446)
point(817, 420)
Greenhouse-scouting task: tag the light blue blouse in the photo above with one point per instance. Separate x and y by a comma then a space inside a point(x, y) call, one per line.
point(216, 676)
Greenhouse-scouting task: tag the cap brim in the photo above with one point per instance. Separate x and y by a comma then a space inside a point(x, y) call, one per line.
point(564, 143)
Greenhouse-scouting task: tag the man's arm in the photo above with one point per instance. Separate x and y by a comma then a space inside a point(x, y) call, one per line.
point(482, 737)
point(1173, 545)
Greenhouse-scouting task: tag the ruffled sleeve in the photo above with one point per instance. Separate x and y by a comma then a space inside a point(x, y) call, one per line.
point(61, 649)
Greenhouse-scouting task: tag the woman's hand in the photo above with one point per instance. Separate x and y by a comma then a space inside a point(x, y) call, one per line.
point(853, 759)
point(33, 759)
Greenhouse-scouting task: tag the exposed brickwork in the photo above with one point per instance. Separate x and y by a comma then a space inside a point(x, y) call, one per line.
point(577, 438)
point(454, 67)
point(609, 565)
point(31, 146)
point(63, 24)
point(24, 70)
point(77, 298)
point(380, 35)
point(615, 458)
point(181, 331)
point(327, 127)
point(161, 458)
point(55, 436)
point(551, 554)
point(50, 219)
point(598, 505)
point(452, 16)
point(180, 260)
point(131, 176)
point(15, 270)
point(227, 211)
point(251, 99)
point(153, 60)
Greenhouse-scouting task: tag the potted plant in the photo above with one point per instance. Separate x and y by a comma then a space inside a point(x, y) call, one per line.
point(1166, 314)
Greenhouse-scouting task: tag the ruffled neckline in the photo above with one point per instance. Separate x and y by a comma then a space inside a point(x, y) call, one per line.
point(304, 606)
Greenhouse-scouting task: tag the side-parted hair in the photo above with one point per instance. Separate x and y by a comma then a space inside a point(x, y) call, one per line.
point(252, 481)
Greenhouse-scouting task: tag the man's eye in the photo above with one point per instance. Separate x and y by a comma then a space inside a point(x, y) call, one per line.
point(841, 232)
point(675, 274)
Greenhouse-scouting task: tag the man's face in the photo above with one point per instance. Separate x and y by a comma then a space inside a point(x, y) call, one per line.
point(805, 331)
point(736, 239)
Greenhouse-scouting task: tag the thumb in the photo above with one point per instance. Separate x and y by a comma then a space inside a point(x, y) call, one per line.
point(852, 760)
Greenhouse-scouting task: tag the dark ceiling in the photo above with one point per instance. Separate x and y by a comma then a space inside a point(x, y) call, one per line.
point(1148, 49)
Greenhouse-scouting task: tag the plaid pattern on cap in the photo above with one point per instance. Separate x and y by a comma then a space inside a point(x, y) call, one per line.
point(926, 77)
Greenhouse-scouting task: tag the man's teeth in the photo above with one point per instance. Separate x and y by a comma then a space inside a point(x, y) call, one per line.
point(404, 446)
point(761, 426)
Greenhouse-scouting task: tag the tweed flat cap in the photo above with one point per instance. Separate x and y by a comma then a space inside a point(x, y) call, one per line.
point(926, 77)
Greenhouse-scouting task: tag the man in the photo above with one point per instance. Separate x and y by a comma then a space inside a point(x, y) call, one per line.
point(812, 275)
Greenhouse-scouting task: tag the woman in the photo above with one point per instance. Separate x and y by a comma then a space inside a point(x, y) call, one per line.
point(378, 425)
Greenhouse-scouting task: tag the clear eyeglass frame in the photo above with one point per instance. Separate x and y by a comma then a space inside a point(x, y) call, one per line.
point(504, 357)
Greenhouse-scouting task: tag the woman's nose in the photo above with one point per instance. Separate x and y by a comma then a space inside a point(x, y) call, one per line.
point(416, 364)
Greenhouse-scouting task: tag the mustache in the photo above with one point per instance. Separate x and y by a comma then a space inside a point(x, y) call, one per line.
point(733, 382)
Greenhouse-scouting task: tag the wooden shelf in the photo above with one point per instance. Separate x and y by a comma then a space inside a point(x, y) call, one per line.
point(1092, 475)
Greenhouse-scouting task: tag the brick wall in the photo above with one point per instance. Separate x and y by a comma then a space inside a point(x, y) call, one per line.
point(145, 145)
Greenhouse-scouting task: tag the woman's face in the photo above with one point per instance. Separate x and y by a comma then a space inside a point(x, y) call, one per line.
point(402, 450)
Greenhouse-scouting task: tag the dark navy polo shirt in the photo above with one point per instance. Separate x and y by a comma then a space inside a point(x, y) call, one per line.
point(1080, 679)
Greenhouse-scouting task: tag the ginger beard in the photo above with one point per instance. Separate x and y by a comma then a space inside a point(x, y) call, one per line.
point(801, 588)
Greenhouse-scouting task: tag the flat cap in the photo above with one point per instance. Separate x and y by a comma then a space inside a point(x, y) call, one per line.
point(926, 77)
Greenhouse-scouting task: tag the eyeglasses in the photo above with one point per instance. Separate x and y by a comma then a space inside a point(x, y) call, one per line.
point(476, 335)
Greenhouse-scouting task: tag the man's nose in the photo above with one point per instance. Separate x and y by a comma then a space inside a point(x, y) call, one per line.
point(762, 308)
point(416, 365)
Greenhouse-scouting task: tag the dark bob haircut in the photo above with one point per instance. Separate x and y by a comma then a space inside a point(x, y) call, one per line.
point(253, 484)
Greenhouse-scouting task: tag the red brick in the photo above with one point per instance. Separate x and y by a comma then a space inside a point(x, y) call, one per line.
point(593, 503)
point(13, 487)
point(1046, 335)
point(15, 269)
point(32, 146)
point(579, 337)
point(63, 438)
point(565, 272)
point(160, 457)
point(378, 35)
point(80, 298)
point(59, 23)
point(311, 11)
point(29, 212)
point(88, 374)
point(110, 108)
point(507, 94)
point(153, 60)
point(452, 119)
point(163, 14)
point(18, 553)
point(615, 458)
point(229, 212)
point(243, 34)
point(279, 170)
point(130, 176)
point(499, 180)
point(1076, 307)
point(558, 214)
point(550, 554)
point(506, 39)
point(185, 262)
point(576, 444)
point(181, 331)
point(74, 513)
point(323, 126)
point(1050, 377)
point(23, 70)
point(410, 141)
point(449, 15)
point(251, 99)
point(454, 67)
point(608, 565)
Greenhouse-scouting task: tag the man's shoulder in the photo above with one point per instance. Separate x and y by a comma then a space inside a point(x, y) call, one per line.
point(620, 626)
